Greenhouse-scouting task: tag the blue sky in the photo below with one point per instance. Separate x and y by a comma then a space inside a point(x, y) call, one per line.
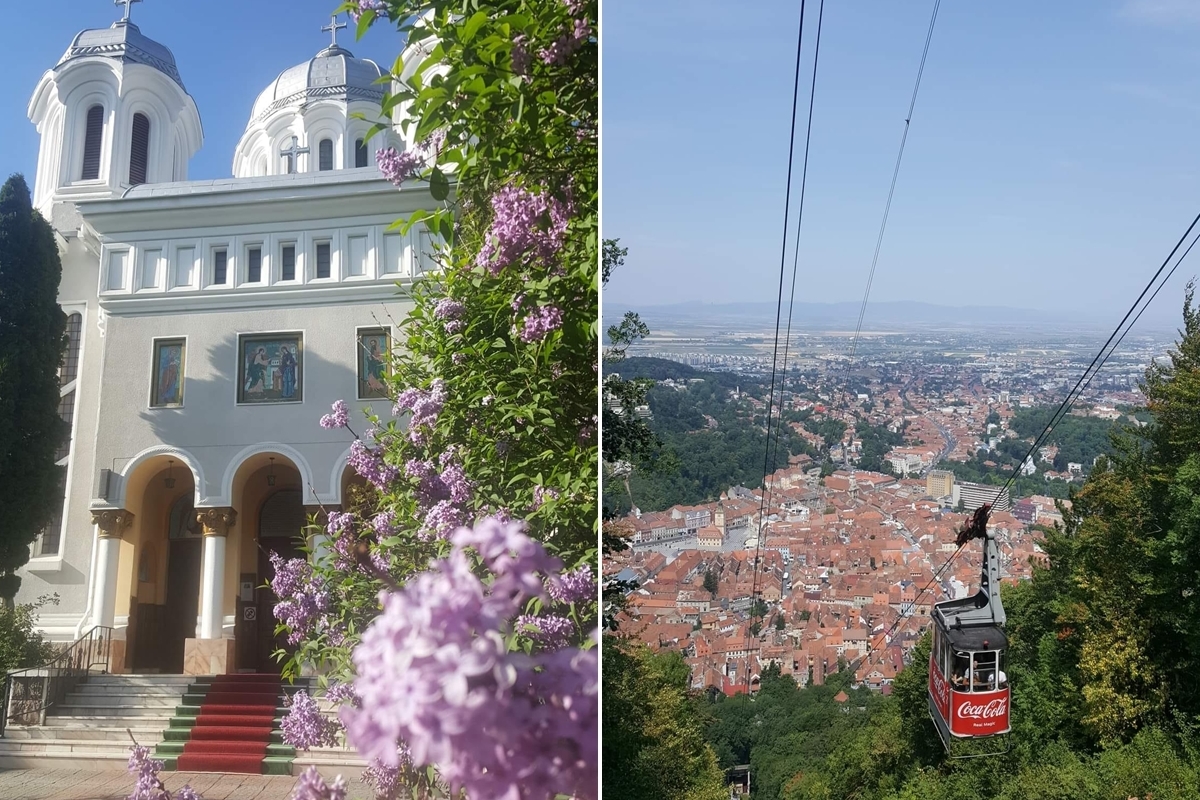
point(1052, 160)
point(226, 56)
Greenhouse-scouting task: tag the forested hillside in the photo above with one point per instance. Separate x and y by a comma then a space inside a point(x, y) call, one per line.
point(711, 440)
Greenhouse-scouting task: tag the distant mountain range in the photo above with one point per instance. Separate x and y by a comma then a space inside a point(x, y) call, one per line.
point(890, 315)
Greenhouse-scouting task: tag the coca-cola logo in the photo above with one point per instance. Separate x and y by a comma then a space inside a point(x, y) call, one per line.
point(992, 710)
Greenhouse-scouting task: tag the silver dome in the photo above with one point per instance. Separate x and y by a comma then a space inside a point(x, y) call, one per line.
point(124, 42)
point(333, 74)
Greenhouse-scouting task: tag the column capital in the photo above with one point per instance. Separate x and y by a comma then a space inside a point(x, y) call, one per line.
point(112, 522)
point(216, 521)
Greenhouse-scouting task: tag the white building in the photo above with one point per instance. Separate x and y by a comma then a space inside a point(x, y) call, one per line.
point(211, 324)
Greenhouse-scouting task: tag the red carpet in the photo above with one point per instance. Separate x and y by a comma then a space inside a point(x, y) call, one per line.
point(234, 726)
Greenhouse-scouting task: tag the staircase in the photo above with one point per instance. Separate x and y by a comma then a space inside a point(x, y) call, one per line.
point(89, 728)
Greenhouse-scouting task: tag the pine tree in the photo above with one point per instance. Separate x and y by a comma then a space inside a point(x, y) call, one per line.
point(32, 339)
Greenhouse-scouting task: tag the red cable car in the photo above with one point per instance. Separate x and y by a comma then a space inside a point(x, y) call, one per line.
point(968, 690)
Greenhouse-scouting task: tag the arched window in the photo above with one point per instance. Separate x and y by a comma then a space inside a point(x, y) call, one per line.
point(325, 152)
point(139, 152)
point(182, 523)
point(360, 153)
point(91, 143)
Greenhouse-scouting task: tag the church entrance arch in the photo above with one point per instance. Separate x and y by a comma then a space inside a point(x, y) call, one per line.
point(184, 539)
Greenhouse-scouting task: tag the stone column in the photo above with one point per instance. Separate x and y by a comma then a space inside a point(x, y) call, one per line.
point(215, 523)
point(111, 524)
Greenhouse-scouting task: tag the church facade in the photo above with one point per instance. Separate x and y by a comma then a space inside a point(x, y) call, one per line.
point(210, 324)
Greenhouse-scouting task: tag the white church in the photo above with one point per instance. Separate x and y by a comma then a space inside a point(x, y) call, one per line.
point(211, 324)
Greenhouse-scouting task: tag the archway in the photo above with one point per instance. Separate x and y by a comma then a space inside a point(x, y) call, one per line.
point(281, 524)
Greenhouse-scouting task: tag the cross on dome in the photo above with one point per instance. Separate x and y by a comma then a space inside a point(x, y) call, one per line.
point(290, 154)
point(333, 27)
point(128, 5)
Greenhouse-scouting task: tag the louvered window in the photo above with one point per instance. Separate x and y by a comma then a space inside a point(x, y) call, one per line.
point(360, 153)
point(254, 265)
point(323, 260)
point(140, 151)
point(69, 369)
point(288, 266)
point(325, 151)
point(220, 262)
point(91, 143)
point(52, 534)
point(282, 516)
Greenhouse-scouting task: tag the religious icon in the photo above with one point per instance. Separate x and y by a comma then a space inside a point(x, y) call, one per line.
point(166, 390)
point(270, 368)
point(374, 347)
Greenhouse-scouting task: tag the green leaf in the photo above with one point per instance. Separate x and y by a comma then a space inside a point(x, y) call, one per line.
point(472, 26)
point(439, 185)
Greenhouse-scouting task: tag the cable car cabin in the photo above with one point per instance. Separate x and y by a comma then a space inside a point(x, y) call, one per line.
point(968, 689)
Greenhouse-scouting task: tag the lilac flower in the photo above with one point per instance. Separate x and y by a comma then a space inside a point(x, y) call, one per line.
point(540, 323)
point(384, 523)
point(518, 301)
point(541, 494)
point(343, 694)
point(424, 407)
point(576, 586)
point(551, 631)
point(441, 520)
point(368, 463)
point(186, 792)
point(378, 6)
point(448, 309)
point(458, 359)
point(487, 400)
point(312, 786)
point(398, 167)
point(148, 785)
point(457, 484)
point(339, 522)
point(565, 46)
point(524, 225)
point(520, 55)
point(454, 326)
point(434, 671)
point(303, 598)
point(339, 418)
point(306, 727)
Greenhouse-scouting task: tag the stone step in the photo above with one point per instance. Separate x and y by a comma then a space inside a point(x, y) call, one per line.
point(116, 749)
point(113, 732)
point(139, 680)
point(175, 748)
point(108, 721)
point(110, 710)
point(120, 701)
point(124, 689)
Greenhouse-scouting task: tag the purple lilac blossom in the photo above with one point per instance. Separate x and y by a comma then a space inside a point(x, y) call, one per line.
point(458, 359)
point(303, 599)
point(518, 229)
point(398, 167)
point(312, 786)
point(455, 326)
point(368, 463)
point(565, 46)
point(186, 792)
point(551, 631)
point(517, 302)
point(520, 55)
point(540, 323)
point(443, 518)
point(339, 522)
point(384, 523)
point(434, 671)
point(378, 6)
point(305, 727)
point(338, 418)
point(448, 309)
point(343, 694)
point(385, 780)
point(424, 407)
point(541, 494)
point(457, 484)
point(576, 586)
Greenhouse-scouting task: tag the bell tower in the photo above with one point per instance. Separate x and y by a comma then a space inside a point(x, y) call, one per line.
point(112, 114)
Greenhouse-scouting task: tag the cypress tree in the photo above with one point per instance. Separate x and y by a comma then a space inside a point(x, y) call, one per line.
point(32, 340)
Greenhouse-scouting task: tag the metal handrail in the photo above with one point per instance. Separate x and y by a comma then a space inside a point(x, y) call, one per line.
point(59, 676)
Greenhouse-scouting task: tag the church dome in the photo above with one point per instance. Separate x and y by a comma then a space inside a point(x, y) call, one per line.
point(123, 42)
point(332, 74)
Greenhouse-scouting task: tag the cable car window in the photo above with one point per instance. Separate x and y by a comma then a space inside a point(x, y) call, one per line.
point(983, 676)
point(1002, 679)
point(962, 670)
